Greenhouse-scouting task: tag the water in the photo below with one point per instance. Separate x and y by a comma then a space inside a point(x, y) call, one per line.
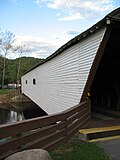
point(19, 111)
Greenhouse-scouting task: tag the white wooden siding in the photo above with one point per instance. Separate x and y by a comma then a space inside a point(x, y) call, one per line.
point(87, 51)
point(60, 82)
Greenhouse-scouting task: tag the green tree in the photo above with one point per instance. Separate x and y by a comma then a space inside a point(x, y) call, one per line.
point(26, 63)
point(20, 50)
point(6, 42)
point(1, 66)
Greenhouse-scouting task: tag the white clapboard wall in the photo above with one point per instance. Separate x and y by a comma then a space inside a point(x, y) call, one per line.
point(60, 81)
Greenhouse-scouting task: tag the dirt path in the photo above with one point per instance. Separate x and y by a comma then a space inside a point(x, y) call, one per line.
point(2, 98)
point(13, 97)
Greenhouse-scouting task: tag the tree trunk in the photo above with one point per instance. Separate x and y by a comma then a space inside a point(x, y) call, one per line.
point(18, 73)
point(3, 74)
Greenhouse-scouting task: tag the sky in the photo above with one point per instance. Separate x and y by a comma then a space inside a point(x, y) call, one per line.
point(45, 25)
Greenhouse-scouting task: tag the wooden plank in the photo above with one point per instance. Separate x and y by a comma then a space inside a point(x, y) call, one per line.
point(77, 108)
point(57, 135)
point(78, 115)
point(64, 125)
point(77, 122)
point(35, 123)
point(17, 142)
point(55, 144)
point(48, 139)
point(27, 125)
point(12, 144)
point(75, 129)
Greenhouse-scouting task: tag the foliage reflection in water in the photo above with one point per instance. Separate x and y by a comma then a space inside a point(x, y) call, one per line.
point(19, 111)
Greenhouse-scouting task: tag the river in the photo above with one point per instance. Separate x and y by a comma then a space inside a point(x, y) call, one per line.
point(10, 113)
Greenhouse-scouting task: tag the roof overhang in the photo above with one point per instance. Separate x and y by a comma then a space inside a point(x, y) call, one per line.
point(111, 18)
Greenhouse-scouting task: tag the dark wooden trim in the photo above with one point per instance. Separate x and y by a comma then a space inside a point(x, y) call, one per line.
point(19, 141)
point(35, 123)
point(44, 132)
point(27, 125)
point(96, 62)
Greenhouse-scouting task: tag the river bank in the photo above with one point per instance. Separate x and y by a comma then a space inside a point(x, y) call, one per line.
point(15, 106)
point(13, 97)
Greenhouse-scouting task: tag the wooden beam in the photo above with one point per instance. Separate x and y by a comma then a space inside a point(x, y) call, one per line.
point(96, 62)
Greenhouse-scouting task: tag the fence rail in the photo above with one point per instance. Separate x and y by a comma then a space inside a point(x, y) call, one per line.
point(44, 132)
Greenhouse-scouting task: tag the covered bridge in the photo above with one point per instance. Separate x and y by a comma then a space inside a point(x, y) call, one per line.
point(88, 63)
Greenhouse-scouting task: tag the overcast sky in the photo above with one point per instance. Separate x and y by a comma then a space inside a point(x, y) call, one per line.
point(45, 25)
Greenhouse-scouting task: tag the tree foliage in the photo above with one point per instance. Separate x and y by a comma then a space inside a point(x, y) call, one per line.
point(6, 41)
point(11, 68)
point(21, 50)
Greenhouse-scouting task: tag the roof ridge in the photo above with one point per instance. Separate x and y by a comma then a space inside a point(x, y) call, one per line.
point(114, 15)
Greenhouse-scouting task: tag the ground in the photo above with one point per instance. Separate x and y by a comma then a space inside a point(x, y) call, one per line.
point(76, 149)
point(12, 96)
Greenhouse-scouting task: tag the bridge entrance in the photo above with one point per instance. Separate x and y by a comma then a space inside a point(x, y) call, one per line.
point(105, 88)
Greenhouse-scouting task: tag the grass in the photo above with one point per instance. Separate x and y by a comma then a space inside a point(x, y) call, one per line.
point(6, 91)
point(79, 150)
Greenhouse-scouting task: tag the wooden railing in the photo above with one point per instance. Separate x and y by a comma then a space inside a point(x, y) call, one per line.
point(44, 132)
